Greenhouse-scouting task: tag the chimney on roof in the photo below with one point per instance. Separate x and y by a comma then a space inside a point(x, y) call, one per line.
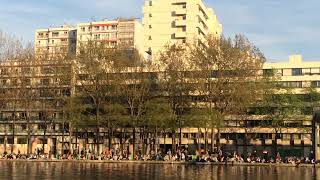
point(295, 59)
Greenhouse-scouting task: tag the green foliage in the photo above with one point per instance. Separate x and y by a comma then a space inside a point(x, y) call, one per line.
point(284, 106)
point(115, 115)
point(158, 114)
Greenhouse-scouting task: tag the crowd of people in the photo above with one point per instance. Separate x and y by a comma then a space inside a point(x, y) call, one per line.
point(182, 155)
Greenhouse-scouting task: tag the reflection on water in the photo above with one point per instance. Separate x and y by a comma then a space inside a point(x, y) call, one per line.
point(78, 171)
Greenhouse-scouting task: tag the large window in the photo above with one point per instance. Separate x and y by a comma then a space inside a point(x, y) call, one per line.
point(315, 84)
point(296, 72)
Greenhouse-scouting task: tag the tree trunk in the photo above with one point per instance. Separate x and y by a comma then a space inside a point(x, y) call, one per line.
point(5, 138)
point(121, 143)
point(97, 132)
point(110, 138)
point(205, 140)
point(77, 148)
point(198, 139)
point(13, 132)
point(212, 139)
point(70, 139)
point(156, 141)
point(218, 139)
point(29, 143)
point(62, 146)
point(44, 134)
point(174, 141)
point(275, 145)
point(245, 145)
point(180, 135)
point(134, 142)
point(164, 141)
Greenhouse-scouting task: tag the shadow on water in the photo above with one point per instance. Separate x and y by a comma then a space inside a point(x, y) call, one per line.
point(122, 171)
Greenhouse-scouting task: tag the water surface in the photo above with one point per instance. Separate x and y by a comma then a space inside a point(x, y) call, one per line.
point(126, 171)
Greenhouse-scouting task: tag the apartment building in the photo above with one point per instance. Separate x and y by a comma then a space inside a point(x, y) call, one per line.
point(55, 40)
point(119, 32)
point(295, 138)
point(31, 113)
point(177, 21)
point(31, 97)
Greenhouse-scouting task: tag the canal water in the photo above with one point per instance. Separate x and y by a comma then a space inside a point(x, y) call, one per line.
point(121, 171)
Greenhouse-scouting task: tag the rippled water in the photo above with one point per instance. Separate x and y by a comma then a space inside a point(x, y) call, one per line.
point(119, 171)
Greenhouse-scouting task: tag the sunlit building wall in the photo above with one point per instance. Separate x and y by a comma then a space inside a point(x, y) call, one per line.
point(177, 21)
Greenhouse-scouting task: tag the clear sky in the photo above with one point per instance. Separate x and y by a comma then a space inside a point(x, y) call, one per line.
point(277, 27)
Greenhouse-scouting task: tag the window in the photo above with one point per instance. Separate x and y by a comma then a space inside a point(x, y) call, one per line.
point(296, 71)
point(150, 15)
point(306, 71)
point(315, 70)
point(96, 28)
point(292, 84)
point(10, 140)
point(97, 36)
point(150, 26)
point(27, 82)
point(315, 84)
point(55, 34)
point(52, 41)
point(22, 140)
point(45, 82)
point(150, 3)
point(3, 82)
point(14, 82)
point(268, 72)
point(150, 38)
point(83, 29)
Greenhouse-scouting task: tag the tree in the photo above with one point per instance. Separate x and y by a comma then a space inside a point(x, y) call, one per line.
point(228, 70)
point(12, 48)
point(115, 116)
point(279, 105)
point(135, 86)
point(74, 110)
point(158, 115)
point(94, 62)
point(175, 85)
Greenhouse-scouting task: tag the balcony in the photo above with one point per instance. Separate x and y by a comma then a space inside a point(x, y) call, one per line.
point(180, 23)
point(42, 36)
point(180, 12)
point(180, 35)
point(178, 1)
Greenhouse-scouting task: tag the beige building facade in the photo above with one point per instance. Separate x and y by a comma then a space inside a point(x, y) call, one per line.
point(177, 21)
point(119, 32)
point(55, 40)
point(35, 117)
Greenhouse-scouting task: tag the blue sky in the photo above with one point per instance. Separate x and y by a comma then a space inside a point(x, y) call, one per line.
point(277, 27)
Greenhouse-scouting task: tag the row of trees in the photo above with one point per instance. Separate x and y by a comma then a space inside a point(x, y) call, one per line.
point(116, 94)
point(188, 86)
